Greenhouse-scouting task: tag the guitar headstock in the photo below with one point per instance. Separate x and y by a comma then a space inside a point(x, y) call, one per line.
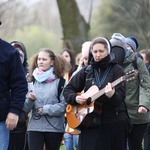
point(131, 75)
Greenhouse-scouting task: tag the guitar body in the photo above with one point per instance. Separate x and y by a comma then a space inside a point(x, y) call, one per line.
point(80, 116)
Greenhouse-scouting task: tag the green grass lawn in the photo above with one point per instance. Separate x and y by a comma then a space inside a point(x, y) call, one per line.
point(62, 147)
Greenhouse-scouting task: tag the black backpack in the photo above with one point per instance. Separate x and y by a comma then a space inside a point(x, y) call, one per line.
point(60, 86)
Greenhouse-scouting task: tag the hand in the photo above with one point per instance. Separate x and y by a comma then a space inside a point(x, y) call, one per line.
point(39, 111)
point(109, 91)
point(32, 96)
point(80, 99)
point(142, 110)
point(11, 121)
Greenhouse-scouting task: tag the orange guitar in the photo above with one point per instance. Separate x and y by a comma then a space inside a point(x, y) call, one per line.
point(80, 116)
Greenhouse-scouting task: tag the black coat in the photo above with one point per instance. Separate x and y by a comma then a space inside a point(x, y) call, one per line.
point(13, 84)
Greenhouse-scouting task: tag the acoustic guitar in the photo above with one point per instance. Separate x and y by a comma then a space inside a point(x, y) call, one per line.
point(79, 116)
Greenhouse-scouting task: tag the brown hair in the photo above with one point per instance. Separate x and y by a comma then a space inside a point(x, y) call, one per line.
point(72, 58)
point(147, 54)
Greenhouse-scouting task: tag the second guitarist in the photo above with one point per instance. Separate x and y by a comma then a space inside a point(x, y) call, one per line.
point(107, 128)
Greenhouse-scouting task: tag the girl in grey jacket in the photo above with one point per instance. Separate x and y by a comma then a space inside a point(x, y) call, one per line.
point(46, 123)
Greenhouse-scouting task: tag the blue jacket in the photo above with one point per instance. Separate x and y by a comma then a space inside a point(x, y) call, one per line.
point(13, 84)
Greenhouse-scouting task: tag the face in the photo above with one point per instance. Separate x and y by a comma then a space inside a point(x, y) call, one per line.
point(85, 60)
point(66, 55)
point(99, 52)
point(144, 58)
point(44, 61)
point(129, 47)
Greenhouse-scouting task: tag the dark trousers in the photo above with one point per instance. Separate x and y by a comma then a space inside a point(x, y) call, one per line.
point(147, 138)
point(136, 136)
point(17, 141)
point(36, 140)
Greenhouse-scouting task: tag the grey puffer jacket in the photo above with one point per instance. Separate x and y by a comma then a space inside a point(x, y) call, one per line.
point(137, 91)
point(53, 118)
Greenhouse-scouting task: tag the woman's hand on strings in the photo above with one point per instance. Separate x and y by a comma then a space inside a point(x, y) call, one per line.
point(80, 99)
point(109, 91)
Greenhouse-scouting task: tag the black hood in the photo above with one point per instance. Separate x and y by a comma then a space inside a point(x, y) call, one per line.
point(119, 53)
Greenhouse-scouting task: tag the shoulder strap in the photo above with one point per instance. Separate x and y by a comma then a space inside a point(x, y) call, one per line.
point(33, 79)
point(60, 86)
point(135, 62)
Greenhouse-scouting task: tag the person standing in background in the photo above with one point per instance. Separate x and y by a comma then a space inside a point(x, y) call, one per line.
point(71, 136)
point(132, 45)
point(47, 107)
point(107, 128)
point(146, 58)
point(84, 57)
point(17, 140)
point(78, 58)
point(85, 52)
point(69, 56)
point(13, 90)
point(137, 91)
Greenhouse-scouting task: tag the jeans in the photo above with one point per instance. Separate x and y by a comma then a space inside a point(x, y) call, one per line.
point(4, 136)
point(71, 141)
point(127, 146)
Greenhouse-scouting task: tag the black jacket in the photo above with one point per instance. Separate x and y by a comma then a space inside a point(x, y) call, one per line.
point(13, 84)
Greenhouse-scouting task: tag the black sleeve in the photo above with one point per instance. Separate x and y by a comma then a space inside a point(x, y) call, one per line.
point(119, 95)
point(76, 85)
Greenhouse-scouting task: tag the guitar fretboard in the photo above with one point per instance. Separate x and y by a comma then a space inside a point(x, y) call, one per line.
point(102, 91)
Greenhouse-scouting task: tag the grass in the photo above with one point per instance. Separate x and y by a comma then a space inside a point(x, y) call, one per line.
point(62, 147)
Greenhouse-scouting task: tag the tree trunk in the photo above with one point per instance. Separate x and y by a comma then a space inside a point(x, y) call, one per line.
point(75, 28)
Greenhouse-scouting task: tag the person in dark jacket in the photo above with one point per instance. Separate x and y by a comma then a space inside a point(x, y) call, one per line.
point(13, 90)
point(18, 138)
point(105, 127)
point(137, 91)
point(146, 58)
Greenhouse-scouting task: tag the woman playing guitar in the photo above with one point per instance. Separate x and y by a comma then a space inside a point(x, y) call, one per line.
point(105, 127)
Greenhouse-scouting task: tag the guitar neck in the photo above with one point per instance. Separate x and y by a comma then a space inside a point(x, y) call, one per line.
point(102, 91)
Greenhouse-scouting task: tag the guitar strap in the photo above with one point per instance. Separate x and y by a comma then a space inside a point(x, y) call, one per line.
point(97, 76)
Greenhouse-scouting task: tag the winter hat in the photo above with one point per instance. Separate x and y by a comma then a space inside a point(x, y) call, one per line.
point(132, 42)
point(135, 40)
point(85, 48)
point(118, 39)
point(119, 47)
